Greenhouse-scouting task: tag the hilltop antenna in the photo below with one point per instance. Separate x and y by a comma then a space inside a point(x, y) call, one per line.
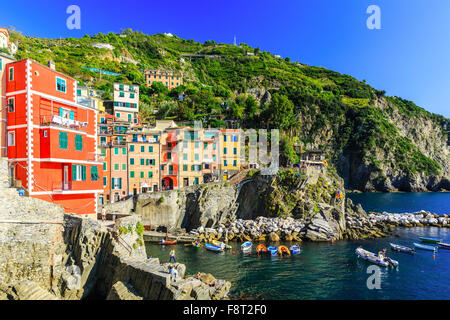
point(235, 40)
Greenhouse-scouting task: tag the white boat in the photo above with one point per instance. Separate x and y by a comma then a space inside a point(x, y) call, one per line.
point(371, 257)
point(246, 246)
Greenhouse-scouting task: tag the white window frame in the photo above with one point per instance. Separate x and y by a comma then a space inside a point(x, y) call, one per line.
point(11, 72)
point(65, 84)
point(14, 104)
point(11, 138)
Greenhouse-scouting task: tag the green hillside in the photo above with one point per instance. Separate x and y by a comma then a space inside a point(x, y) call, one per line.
point(314, 107)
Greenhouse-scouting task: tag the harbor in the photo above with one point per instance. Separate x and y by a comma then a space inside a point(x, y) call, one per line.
point(324, 270)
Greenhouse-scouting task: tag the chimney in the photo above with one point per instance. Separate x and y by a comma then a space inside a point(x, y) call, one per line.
point(51, 65)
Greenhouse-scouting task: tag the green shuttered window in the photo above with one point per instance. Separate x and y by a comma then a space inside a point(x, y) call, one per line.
point(63, 140)
point(78, 142)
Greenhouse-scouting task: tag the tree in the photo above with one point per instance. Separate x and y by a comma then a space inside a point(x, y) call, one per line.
point(281, 112)
point(288, 154)
point(158, 87)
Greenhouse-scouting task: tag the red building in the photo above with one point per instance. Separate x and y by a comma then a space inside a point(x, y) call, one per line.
point(52, 140)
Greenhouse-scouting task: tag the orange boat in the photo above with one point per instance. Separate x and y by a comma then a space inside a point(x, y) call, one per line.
point(261, 248)
point(283, 250)
point(167, 242)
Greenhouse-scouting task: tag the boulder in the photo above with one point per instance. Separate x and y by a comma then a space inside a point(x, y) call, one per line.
point(274, 237)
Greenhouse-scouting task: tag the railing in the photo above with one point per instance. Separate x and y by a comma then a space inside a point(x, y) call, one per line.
point(119, 143)
point(57, 121)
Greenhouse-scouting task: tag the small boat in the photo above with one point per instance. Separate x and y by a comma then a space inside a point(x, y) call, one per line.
point(221, 244)
point(371, 257)
point(429, 240)
point(272, 250)
point(424, 247)
point(295, 249)
point(212, 247)
point(444, 245)
point(261, 249)
point(167, 242)
point(400, 248)
point(246, 246)
point(283, 250)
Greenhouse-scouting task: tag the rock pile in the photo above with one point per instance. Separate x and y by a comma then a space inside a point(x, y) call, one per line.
point(416, 219)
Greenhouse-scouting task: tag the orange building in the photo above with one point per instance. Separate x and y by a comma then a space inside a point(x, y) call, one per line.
point(168, 79)
point(52, 140)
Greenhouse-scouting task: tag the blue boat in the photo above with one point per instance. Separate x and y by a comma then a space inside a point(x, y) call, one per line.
point(424, 247)
point(295, 249)
point(429, 240)
point(212, 247)
point(272, 250)
point(444, 245)
point(246, 246)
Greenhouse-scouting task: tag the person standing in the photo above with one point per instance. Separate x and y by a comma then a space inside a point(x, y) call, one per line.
point(103, 213)
point(172, 256)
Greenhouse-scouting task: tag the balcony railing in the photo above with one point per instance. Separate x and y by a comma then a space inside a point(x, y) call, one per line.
point(119, 143)
point(58, 121)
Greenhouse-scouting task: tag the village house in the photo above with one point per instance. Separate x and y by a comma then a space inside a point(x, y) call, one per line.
point(52, 140)
point(168, 79)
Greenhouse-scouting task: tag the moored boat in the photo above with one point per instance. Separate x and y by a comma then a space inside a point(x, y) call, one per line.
point(272, 250)
point(371, 257)
point(295, 249)
point(167, 242)
point(261, 249)
point(444, 245)
point(246, 246)
point(429, 240)
point(221, 244)
point(424, 247)
point(400, 248)
point(283, 250)
point(212, 247)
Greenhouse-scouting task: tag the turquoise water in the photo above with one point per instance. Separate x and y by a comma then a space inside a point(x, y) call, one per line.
point(436, 202)
point(332, 271)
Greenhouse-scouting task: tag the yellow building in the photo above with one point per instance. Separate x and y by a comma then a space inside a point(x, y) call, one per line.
point(191, 157)
point(230, 152)
point(168, 79)
point(143, 160)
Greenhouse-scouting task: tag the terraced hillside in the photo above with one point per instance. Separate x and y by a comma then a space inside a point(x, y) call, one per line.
point(376, 142)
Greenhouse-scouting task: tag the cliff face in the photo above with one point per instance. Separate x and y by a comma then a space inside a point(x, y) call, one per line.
point(391, 145)
point(191, 207)
point(307, 197)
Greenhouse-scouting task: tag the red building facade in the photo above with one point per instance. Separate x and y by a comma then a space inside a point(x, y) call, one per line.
point(52, 140)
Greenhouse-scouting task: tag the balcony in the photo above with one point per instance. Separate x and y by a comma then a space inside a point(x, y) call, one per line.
point(118, 143)
point(58, 121)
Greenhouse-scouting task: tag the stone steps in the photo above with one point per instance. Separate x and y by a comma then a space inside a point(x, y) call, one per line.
point(29, 290)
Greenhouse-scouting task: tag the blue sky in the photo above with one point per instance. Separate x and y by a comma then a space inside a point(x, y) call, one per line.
point(409, 57)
